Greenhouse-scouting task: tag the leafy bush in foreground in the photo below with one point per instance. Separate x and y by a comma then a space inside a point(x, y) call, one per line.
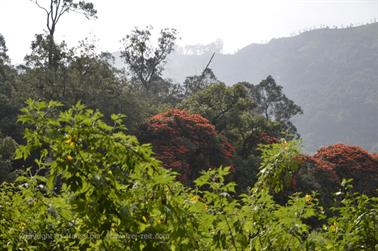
point(102, 190)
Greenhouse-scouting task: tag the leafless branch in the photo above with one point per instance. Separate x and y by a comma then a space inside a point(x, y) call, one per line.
point(41, 7)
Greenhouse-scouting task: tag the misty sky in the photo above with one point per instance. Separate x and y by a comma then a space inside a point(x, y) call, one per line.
point(238, 22)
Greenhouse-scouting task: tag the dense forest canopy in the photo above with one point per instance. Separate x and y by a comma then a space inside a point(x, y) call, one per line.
point(94, 157)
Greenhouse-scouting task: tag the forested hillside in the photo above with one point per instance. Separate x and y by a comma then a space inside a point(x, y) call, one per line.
point(96, 158)
point(330, 73)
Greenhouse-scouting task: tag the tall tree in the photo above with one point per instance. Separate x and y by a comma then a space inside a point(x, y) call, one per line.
point(45, 79)
point(232, 110)
point(54, 10)
point(9, 99)
point(219, 104)
point(272, 102)
point(93, 80)
point(45, 56)
point(3, 50)
point(144, 61)
point(4, 59)
point(195, 83)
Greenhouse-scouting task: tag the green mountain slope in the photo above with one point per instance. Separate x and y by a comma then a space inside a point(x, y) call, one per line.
point(331, 73)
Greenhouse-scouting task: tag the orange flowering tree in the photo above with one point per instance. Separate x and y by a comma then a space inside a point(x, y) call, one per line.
point(351, 162)
point(325, 170)
point(186, 143)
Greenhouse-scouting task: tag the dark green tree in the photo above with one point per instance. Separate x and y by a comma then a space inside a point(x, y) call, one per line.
point(7, 149)
point(48, 56)
point(9, 98)
point(144, 61)
point(274, 104)
point(91, 79)
point(237, 112)
point(54, 11)
point(196, 83)
point(3, 51)
point(42, 54)
point(219, 104)
point(41, 78)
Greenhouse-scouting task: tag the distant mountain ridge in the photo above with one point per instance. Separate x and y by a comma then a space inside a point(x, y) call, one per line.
point(331, 73)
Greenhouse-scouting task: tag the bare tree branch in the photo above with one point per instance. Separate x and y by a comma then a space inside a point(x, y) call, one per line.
point(41, 7)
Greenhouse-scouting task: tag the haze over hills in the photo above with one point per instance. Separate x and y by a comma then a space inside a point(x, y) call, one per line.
point(331, 73)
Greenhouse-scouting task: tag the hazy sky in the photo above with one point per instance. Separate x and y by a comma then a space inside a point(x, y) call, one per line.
point(237, 22)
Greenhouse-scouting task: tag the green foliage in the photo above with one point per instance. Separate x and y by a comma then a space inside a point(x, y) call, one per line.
point(41, 49)
point(355, 225)
point(278, 165)
point(102, 190)
point(272, 102)
point(219, 104)
point(7, 149)
point(90, 79)
point(193, 84)
point(145, 61)
point(3, 51)
point(9, 104)
point(248, 115)
point(110, 184)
